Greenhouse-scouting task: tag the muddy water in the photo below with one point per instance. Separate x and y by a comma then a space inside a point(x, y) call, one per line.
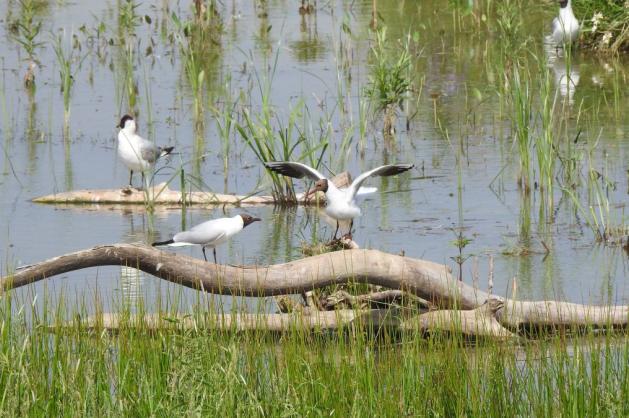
point(458, 136)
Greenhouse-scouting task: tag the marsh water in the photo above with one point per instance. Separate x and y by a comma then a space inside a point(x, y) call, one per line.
point(455, 128)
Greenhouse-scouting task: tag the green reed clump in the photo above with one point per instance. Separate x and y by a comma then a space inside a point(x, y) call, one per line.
point(192, 61)
point(389, 76)
point(128, 18)
point(272, 139)
point(545, 139)
point(27, 29)
point(522, 103)
point(51, 364)
point(69, 64)
point(608, 223)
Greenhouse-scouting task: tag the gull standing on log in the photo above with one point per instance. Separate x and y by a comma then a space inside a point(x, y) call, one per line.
point(340, 203)
point(137, 153)
point(565, 28)
point(210, 234)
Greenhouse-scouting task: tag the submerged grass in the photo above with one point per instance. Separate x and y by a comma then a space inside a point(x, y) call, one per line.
point(351, 372)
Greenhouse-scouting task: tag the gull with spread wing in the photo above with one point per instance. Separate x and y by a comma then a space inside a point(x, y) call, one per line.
point(340, 202)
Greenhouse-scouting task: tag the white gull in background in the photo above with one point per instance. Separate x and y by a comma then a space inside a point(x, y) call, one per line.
point(565, 27)
point(137, 153)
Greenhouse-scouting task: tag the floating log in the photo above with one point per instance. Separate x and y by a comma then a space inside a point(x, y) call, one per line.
point(296, 321)
point(479, 322)
point(161, 194)
point(428, 280)
point(458, 302)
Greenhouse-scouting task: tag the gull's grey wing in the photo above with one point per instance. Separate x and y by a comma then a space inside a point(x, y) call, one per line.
point(296, 170)
point(383, 171)
point(149, 151)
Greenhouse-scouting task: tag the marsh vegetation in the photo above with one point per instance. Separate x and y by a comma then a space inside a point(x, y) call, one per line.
point(520, 186)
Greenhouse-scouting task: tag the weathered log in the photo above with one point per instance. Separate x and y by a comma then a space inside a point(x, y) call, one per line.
point(479, 322)
point(549, 313)
point(297, 321)
point(162, 195)
point(430, 281)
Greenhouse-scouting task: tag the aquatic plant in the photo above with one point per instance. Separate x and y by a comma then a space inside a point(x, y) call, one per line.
point(278, 141)
point(545, 143)
point(69, 65)
point(389, 77)
point(522, 102)
point(128, 19)
point(608, 222)
point(26, 33)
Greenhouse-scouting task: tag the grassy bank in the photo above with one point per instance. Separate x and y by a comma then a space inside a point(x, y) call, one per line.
point(348, 373)
point(605, 24)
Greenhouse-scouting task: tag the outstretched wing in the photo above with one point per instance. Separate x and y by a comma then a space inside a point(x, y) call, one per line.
point(295, 170)
point(383, 171)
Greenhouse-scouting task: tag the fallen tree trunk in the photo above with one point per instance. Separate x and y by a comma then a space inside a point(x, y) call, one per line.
point(162, 195)
point(550, 313)
point(275, 322)
point(430, 281)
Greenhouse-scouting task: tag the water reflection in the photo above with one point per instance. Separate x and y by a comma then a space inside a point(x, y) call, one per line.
point(308, 47)
point(565, 71)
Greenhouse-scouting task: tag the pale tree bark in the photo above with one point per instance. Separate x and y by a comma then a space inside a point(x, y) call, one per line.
point(161, 194)
point(430, 281)
point(472, 310)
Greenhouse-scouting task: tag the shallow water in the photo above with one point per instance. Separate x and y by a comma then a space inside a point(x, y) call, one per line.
point(417, 213)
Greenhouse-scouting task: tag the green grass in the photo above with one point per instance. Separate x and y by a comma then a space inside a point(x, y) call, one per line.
point(605, 25)
point(389, 76)
point(351, 372)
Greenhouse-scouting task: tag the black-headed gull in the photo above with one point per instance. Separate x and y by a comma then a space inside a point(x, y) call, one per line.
point(137, 153)
point(565, 28)
point(210, 234)
point(340, 203)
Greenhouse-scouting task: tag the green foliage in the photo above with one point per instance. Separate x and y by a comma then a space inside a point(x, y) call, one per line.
point(69, 65)
point(605, 24)
point(54, 366)
point(389, 74)
point(27, 30)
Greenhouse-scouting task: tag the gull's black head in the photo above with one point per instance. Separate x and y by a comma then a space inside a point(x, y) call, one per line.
point(563, 3)
point(248, 219)
point(319, 186)
point(124, 120)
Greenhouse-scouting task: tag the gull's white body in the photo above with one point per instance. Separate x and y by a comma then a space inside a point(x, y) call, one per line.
point(209, 234)
point(137, 153)
point(340, 202)
point(565, 28)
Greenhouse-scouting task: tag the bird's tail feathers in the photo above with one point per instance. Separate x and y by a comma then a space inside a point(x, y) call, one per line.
point(157, 244)
point(366, 190)
point(165, 151)
point(181, 244)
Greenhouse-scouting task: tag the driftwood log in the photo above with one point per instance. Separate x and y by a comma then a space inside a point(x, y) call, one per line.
point(475, 311)
point(161, 194)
